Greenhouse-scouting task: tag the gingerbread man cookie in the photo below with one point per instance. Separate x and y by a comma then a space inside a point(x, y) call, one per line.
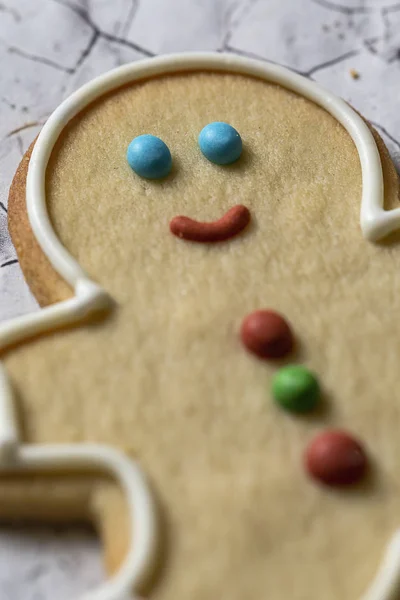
point(213, 240)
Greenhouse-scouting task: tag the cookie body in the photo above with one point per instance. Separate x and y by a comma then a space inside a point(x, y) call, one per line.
point(164, 376)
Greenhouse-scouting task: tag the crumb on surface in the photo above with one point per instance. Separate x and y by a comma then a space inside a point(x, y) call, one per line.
point(354, 74)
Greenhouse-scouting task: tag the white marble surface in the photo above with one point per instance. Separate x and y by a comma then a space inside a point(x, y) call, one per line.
point(48, 48)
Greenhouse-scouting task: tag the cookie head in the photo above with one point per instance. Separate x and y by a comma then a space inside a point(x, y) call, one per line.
point(284, 162)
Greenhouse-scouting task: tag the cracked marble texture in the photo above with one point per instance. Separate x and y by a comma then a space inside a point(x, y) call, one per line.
point(48, 48)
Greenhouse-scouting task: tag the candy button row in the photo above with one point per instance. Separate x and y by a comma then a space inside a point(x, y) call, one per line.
point(333, 457)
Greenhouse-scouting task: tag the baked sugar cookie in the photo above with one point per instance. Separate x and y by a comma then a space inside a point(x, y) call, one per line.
point(212, 308)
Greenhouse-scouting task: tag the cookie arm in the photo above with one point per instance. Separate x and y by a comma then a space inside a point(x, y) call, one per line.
point(89, 299)
point(17, 457)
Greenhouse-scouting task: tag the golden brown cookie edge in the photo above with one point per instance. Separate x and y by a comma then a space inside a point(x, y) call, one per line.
point(47, 286)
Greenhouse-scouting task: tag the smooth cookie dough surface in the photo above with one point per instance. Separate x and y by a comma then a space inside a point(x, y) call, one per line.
point(166, 378)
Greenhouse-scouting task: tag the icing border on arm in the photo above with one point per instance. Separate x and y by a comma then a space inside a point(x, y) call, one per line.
point(375, 221)
point(17, 457)
point(386, 585)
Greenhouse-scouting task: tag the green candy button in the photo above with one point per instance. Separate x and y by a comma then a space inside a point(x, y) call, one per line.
point(296, 389)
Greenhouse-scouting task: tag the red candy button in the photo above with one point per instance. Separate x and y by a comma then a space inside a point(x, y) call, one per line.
point(335, 458)
point(266, 334)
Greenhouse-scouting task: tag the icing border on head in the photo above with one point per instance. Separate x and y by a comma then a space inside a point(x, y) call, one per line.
point(90, 297)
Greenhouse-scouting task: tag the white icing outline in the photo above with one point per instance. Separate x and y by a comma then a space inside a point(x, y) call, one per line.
point(386, 584)
point(16, 457)
point(90, 297)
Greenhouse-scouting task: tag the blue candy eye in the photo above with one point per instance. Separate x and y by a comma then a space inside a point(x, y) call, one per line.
point(149, 157)
point(220, 143)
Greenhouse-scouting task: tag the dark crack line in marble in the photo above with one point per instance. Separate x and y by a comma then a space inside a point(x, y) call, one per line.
point(346, 10)
point(11, 11)
point(9, 104)
point(3, 207)
point(23, 127)
point(87, 51)
point(233, 50)
point(386, 20)
point(127, 43)
point(39, 59)
point(369, 44)
point(308, 73)
point(83, 14)
point(330, 63)
point(232, 25)
point(20, 145)
point(8, 263)
point(394, 58)
point(228, 24)
point(116, 52)
point(385, 132)
point(129, 19)
point(80, 11)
